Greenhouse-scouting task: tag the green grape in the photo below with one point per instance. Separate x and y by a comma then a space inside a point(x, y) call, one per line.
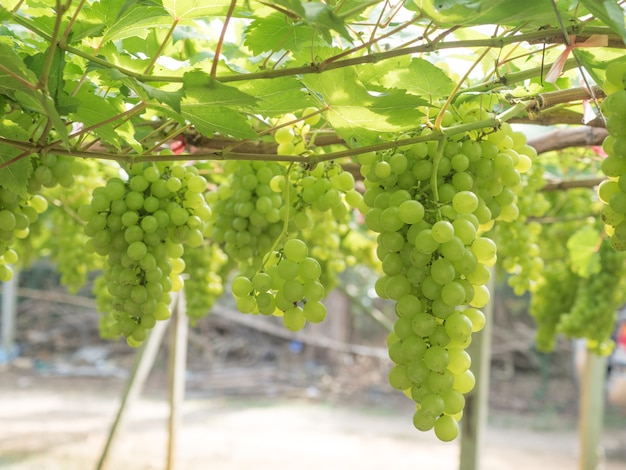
point(315, 312)
point(442, 231)
point(423, 421)
point(294, 318)
point(446, 428)
point(295, 250)
point(284, 135)
point(241, 286)
point(436, 358)
point(398, 378)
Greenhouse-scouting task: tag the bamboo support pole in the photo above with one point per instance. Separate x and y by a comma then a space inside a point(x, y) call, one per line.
point(591, 416)
point(143, 364)
point(177, 372)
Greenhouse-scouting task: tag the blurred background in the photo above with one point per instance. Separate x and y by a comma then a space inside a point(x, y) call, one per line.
point(258, 395)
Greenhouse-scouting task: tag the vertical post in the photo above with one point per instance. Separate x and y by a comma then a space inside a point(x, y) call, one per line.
point(474, 419)
point(143, 364)
point(591, 411)
point(9, 306)
point(177, 372)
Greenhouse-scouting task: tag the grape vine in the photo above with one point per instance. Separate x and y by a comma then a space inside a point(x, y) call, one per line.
point(262, 148)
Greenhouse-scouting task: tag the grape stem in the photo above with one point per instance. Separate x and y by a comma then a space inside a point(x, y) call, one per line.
point(455, 92)
point(433, 175)
point(283, 232)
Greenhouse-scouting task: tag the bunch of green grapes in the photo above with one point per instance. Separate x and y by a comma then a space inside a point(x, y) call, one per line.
point(613, 191)
point(325, 216)
point(63, 239)
point(291, 131)
point(552, 298)
point(429, 203)
point(17, 213)
point(205, 268)
point(519, 251)
point(141, 226)
point(598, 297)
point(248, 211)
point(287, 286)
point(50, 171)
point(261, 204)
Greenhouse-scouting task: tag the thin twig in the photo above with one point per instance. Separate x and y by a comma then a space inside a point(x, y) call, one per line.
point(220, 42)
point(157, 54)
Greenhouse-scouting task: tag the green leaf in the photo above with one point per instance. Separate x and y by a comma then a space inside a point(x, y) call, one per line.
point(609, 12)
point(321, 15)
point(137, 21)
point(202, 89)
point(399, 107)
point(94, 110)
point(106, 11)
point(278, 32)
point(278, 96)
point(180, 9)
point(14, 177)
point(148, 92)
point(211, 119)
point(420, 78)
point(14, 74)
point(584, 252)
point(474, 12)
point(294, 6)
point(352, 110)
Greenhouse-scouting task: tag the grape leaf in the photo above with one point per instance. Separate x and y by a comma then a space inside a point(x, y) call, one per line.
point(14, 177)
point(583, 250)
point(213, 93)
point(294, 6)
point(399, 106)
point(211, 119)
point(179, 9)
point(317, 14)
point(420, 78)
point(276, 32)
point(107, 11)
point(206, 105)
point(278, 96)
point(148, 92)
point(14, 74)
point(610, 13)
point(137, 22)
point(94, 110)
point(474, 12)
point(351, 109)
point(322, 16)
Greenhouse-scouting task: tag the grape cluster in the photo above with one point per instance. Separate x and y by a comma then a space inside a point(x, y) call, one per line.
point(17, 213)
point(49, 171)
point(552, 298)
point(141, 225)
point(429, 203)
point(519, 250)
point(291, 131)
point(205, 268)
point(257, 206)
point(287, 286)
point(597, 299)
point(248, 210)
point(613, 191)
point(63, 237)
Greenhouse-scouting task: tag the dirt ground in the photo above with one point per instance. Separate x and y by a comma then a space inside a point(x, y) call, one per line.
point(61, 423)
point(256, 400)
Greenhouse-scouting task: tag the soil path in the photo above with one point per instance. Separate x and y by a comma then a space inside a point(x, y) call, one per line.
point(62, 425)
